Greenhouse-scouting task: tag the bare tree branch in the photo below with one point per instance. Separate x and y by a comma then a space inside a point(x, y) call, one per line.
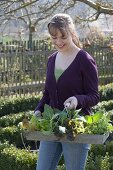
point(99, 7)
point(94, 17)
point(20, 7)
point(32, 12)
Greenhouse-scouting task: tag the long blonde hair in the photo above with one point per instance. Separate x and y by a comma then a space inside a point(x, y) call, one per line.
point(64, 23)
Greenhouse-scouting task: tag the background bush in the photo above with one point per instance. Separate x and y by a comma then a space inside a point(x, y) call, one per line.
point(16, 105)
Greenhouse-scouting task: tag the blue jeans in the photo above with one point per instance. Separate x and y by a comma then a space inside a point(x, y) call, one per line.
point(75, 155)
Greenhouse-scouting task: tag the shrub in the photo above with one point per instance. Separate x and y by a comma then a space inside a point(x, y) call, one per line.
point(17, 105)
point(16, 159)
point(106, 92)
point(14, 119)
point(11, 134)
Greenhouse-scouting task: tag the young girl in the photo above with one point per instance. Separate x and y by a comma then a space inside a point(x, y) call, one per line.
point(71, 81)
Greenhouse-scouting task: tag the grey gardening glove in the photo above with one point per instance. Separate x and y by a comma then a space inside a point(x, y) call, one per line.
point(71, 103)
point(37, 113)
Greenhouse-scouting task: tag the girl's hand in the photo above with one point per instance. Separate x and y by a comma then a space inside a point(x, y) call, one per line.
point(71, 103)
point(37, 113)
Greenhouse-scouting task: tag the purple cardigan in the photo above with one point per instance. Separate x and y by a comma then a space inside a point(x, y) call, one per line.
point(80, 79)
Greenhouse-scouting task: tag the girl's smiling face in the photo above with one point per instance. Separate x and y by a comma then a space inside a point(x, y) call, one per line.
point(62, 31)
point(62, 41)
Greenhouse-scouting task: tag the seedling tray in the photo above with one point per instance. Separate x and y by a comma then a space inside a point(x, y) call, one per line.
point(80, 138)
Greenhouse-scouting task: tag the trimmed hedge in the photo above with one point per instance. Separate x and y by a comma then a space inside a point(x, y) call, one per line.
point(99, 158)
point(107, 105)
point(13, 136)
point(16, 105)
point(16, 159)
point(106, 92)
point(20, 104)
point(102, 149)
point(14, 119)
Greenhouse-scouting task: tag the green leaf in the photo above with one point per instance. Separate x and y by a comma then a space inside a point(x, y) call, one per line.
point(73, 113)
point(109, 114)
point(110, 127)
point(94, 118)
point(55, 116)
point(97, 116)
point(62, 116)
point(56, 110)
point(48, 112)
point(89, 119)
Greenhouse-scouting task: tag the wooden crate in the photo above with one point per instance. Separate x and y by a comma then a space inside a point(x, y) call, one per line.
point(80, 138)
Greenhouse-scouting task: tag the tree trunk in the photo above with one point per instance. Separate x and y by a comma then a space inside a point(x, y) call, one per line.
point(30, 40)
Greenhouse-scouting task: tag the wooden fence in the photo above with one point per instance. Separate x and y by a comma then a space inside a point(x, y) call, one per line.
point(22, 72)
point(104, 58)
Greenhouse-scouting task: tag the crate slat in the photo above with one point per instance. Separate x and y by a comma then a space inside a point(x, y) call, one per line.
point(80, 138)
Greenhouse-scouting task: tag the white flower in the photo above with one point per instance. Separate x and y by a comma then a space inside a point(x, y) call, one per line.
point(62, 129)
